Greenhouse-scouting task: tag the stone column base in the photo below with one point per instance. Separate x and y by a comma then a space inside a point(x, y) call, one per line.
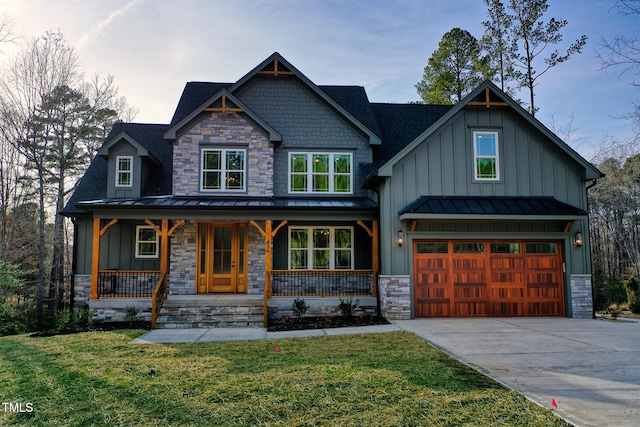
point(395, 296)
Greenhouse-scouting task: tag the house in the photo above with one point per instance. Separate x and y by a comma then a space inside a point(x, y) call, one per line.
point(272, 188)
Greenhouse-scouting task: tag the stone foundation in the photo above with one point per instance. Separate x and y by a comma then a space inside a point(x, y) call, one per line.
point(395, 296)
point(81, 289)
point(115, 309)
point(320, 306)
point(581, 296)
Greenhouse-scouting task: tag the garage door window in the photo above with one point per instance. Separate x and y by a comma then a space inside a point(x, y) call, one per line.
point(432, 248)
point(468, 248)
point(505, 248)
point(541, 248)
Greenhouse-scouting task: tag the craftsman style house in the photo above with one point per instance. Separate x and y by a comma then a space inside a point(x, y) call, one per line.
point(273, 187)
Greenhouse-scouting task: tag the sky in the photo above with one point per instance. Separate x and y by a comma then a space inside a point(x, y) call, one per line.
point(153, 47)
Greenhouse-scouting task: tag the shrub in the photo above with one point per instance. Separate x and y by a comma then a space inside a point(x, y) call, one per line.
point(299, 307)
point(348, 307)
point(632, 287)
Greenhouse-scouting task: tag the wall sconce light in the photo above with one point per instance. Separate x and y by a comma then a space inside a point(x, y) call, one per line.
point(577, 239)
point(400, 238)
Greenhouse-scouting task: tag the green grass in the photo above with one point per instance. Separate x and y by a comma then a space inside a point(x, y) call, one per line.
point(392, 379)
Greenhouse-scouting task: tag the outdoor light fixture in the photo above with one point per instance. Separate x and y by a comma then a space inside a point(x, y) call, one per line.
point(399, 238)
point(577, 239)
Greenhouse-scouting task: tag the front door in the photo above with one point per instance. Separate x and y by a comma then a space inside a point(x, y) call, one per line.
point(222, 258)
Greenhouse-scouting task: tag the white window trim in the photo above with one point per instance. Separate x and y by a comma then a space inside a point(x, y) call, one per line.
point(475, 156)
point(310, 173)
point(223, 170)
point(138, 241)
point(119, 171)
point(332, 248)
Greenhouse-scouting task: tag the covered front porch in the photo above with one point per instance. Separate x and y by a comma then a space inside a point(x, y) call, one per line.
point(212, 260)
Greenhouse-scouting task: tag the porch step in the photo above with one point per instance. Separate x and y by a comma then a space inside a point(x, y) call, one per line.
point(211, 311)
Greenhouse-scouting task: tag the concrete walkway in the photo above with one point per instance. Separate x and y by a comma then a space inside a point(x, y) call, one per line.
point(590, 367)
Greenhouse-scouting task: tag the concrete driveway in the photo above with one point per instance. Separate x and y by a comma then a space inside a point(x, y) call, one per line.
point(590, 367)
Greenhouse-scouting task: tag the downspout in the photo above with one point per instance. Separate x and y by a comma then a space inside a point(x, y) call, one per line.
point(589, 186)
point(378, 307)
point(72, 278)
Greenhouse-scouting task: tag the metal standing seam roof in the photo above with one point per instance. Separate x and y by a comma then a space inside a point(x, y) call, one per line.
point(493, 205)
point(230, 203)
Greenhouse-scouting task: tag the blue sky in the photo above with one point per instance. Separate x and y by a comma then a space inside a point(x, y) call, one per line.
point(153, 47)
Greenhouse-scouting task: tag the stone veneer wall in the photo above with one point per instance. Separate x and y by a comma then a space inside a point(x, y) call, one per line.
point(256, 264)
point(81, 289)
point(395, 296)
point(581, 296)
point(227, 130)
point(182, 261)
point(321, 306)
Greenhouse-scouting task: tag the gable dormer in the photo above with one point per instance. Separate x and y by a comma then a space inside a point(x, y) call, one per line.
point(129, 164)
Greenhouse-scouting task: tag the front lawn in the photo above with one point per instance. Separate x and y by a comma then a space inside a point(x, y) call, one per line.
point(393, 379)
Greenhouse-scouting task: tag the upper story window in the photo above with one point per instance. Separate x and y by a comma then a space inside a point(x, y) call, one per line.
point(223, 170)
point(320, 173)
point(486, 164)
point(146, 242)
point(124, 169)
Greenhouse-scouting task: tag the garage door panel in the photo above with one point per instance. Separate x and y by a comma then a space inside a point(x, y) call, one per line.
point(469, 281)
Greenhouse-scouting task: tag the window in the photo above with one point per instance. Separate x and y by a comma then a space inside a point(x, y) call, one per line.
point(124, 168)
point(321, 248)
point(146, 242)
point(222, 170)
point(486, 166)
point(320, 173)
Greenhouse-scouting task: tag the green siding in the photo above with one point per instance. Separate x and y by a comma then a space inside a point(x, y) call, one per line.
point(530, 165)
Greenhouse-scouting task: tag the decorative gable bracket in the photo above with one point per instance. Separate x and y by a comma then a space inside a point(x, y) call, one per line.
point(487, 101)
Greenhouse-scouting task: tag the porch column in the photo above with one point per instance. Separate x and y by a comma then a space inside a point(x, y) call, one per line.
point(95, 254)
point(95, 259)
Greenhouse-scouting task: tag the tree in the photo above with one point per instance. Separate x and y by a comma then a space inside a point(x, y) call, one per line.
point(54, 119)
point(529, 38)
point(495, 41)
point(454, 69)
point(623, 52)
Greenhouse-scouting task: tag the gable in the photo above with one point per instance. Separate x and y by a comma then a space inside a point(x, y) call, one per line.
point(487, 96)
point(276, 67)
point(222, 102)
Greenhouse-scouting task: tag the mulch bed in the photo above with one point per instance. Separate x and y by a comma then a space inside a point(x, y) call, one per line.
point(288, 323)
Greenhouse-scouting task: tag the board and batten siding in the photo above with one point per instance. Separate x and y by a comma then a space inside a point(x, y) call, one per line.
point(442, 165)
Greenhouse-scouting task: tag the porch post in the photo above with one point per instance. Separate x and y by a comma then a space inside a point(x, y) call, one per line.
point(95, 259)
point(267, 280)
point(164, 241)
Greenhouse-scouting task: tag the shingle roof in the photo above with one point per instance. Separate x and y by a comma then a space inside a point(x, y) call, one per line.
point(193, 95)
point(490, 205)
point(93, 184)
point(401, 124)
point(354, 99)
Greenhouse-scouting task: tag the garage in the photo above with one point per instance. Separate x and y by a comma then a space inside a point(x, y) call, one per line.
point(481, 278)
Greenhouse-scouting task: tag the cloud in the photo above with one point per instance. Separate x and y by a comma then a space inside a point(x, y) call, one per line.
point(102, 25)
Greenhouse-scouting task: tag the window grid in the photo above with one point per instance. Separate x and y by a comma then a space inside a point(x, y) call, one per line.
point(146, 242)
point(320, 248)
point(223, 170)
point(486, 164)
point(320, 172)
point(124, 169)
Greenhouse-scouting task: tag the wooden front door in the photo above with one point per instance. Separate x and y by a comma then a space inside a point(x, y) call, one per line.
point(222, 258)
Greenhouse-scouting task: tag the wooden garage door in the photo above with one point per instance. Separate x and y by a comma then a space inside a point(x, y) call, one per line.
point(488, 278)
